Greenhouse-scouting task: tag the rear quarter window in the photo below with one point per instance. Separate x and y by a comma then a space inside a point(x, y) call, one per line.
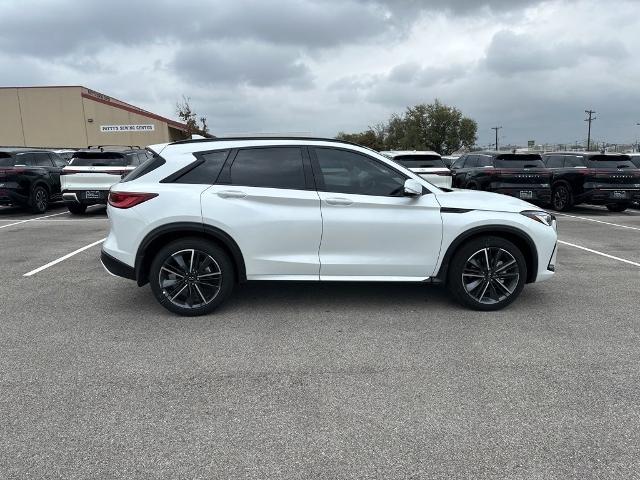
point(148, 166)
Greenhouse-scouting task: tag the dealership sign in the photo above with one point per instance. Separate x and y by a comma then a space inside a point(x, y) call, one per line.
point(127, 128)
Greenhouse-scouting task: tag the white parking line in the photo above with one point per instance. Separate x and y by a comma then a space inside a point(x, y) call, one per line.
point(599, 253)
point(599, 221)
point(32, 219)
point(63, 258)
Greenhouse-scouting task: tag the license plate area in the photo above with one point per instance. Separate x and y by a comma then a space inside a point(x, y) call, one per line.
point(93, 195)
point(526, 194)
point(619, 194)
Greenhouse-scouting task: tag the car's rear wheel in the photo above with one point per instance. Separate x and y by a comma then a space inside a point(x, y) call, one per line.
point(487, 273)
point(617, 207)
point(39, 200)
point(561, 198)
point(77, 208)
point(191, 277)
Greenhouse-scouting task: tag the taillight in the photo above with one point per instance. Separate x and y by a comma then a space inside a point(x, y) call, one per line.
point(129, 199)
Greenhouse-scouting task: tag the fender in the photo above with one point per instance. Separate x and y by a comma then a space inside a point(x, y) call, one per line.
point(492, 230)
point(199, 229)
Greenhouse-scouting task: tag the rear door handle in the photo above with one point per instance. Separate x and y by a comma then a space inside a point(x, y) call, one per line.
point(231, 194)
point(343, 202)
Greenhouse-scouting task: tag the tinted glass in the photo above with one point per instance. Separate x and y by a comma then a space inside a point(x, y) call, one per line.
point(484, 161)
point(555, 161)
point(571, 161)
point(611, 161)
point(57, 160)
point(459, 163)
point(24, 159)
point(6, 160)
point(99, 159)
point(207, 172)
point(635, 159)
point(420, 161)
point(273, 167)
point(512, 160)
point(347, 172)
point(148, 166)
point(42, 160)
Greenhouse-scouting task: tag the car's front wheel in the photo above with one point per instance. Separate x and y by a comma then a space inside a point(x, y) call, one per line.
point(487, 273)
point(561, 198)
point(191, 276)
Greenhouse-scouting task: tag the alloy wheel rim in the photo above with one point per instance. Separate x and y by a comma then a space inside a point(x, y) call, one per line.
point(41, 200)
point(560, 198)
point(190, 278)
point(490, 275)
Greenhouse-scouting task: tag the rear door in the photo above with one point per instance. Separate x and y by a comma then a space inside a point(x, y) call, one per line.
point(370, 230)
point(265, 199)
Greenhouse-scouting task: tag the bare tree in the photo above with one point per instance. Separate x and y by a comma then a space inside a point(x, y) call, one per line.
point(190, 119)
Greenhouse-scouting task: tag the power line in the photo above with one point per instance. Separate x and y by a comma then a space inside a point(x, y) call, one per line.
point(496, 129)
point(590, 119)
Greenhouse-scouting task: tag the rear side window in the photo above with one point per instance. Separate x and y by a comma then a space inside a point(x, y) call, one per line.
point(420, 161)
point(555, 161)
point(99, 159)
point(42, 160)
point(572, 161)
point(148, 166)
point(207, 171)
point(6, 160)
point(23, 159)
point(512, 160)
point(272, 167)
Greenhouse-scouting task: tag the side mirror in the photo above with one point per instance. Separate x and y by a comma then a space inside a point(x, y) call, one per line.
point(412, 188)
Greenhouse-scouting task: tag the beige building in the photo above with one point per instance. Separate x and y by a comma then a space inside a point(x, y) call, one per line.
point(77, 117)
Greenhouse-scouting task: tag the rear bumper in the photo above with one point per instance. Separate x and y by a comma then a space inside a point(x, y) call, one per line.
point(80, 197)
point(606, 196)
point(539, 195)
point(116, 267)
point(9, 196)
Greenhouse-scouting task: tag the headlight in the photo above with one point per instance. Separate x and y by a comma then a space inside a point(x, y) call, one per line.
point(539, 216)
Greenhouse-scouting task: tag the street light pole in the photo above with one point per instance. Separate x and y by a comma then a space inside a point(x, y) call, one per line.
point(496, 129)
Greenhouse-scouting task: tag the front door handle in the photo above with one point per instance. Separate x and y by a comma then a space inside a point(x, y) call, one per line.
point(231, 194)
point(342, 202)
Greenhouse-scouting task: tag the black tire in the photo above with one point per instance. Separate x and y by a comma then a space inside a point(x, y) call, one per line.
point(617, 207)
point(77, 208)
point(39, 201)
point(499, 280)
point(562, 198)
point(191, 287)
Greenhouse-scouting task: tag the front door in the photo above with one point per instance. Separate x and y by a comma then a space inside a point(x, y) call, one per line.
point(370, 230)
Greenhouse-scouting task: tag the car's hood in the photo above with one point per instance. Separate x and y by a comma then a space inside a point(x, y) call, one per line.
point(474, 200)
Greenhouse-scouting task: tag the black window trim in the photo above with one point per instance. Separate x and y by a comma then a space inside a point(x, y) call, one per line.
point(319, 180)
point(199, 160)
point(225, 173)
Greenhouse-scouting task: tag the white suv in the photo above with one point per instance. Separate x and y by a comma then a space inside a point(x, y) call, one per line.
point(202, 215)
point(429, 165)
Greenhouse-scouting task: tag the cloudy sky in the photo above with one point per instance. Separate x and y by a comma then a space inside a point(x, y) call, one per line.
point(321, 66)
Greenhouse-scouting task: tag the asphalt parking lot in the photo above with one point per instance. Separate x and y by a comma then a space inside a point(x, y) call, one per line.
point(317, 381)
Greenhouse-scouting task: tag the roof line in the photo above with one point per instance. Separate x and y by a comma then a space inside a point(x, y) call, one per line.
point(231, 139)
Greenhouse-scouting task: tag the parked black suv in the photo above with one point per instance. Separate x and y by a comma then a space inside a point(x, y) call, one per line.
point(521, 175)
point(30, 178)
point(594, 178)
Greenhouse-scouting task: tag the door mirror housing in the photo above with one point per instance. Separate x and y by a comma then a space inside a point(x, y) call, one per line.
point(412, 188)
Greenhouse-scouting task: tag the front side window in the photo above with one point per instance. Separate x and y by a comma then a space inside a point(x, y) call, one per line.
point(270, 167)
point(342, 171)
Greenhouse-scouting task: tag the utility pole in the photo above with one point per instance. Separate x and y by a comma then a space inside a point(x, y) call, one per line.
point(590, 119)
point(496, 129)
point(637, 141)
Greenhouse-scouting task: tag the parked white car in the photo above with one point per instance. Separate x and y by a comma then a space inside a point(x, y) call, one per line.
point(203, 215)
point(87, 178)
point(427, 164)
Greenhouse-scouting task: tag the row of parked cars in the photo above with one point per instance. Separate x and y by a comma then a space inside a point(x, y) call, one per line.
point(33, 178)
point(560, 180)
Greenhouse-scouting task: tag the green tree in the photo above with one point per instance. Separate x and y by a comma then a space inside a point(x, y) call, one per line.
point(434, 126)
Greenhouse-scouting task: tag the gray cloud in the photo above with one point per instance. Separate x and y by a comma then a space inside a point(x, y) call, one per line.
point(510, 53)
point(247, 63)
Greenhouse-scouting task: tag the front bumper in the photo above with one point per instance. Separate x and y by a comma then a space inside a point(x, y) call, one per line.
point(116, 267)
